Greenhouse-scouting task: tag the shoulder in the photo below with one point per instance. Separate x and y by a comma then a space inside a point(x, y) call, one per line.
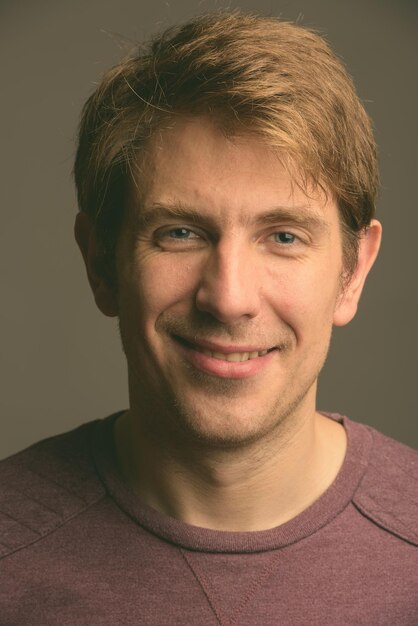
point(44, 486)
point(388, 492)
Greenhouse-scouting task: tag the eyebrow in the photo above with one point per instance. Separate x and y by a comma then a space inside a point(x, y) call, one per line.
point(148, 215)
point(302, 215)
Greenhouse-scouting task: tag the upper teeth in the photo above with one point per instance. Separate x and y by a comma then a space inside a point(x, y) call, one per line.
point(234, 356)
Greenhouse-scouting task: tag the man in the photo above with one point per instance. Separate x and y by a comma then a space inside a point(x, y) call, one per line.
point(227, 182)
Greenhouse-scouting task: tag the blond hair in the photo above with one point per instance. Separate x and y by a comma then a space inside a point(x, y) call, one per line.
point(251, 74)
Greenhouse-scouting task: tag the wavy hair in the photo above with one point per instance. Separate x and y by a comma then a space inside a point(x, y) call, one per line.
point(250, 74)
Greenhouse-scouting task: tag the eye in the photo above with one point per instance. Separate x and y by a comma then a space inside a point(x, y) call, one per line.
point(284, 237)
point(178, 238)
point(181, 233)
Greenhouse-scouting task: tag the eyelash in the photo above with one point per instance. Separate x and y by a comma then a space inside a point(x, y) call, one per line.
point(188, 230)
point(285, 232)
point(165, 234)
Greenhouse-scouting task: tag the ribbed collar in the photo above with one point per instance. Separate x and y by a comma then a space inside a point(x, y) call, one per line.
point(321, 512)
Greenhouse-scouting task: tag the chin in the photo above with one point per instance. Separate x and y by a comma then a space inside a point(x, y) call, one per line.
point(231, 424)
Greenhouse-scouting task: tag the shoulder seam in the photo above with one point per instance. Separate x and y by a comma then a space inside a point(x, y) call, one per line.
point(388, 488)
point(53, 528)
point(384, 526)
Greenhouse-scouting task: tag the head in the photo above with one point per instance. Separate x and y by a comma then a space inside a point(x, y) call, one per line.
point(227, 179)
point(252, 76)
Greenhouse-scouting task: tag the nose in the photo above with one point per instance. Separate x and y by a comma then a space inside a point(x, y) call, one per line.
point(229, 287)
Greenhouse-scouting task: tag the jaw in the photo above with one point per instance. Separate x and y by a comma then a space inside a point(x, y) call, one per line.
point(192, 410)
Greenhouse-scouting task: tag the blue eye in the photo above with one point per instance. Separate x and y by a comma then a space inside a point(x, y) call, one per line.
point(180, 233)
point(178, 238)
point(284, 237)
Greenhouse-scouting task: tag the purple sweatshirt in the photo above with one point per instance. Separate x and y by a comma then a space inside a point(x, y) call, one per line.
point(78, 547)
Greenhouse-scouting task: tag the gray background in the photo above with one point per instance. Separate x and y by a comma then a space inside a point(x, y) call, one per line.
point(60, 360)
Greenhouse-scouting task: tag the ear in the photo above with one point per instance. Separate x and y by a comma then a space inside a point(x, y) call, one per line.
point(104, 293)
point(347, 303)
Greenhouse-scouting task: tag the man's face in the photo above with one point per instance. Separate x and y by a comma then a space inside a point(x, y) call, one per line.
point(229, 278)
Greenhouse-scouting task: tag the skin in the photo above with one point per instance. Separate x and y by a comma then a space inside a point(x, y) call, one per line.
point(220, 252)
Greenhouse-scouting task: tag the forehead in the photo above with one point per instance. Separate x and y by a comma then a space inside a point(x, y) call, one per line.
point(194, 164)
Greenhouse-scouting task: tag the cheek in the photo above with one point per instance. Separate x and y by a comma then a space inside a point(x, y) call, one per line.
point(161, 284)
point(304, 298)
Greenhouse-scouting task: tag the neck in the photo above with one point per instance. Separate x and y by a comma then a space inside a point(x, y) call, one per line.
point(254, 487)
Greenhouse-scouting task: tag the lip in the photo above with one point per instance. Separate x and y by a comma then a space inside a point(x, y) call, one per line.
point(218, 347)
point(218, 367)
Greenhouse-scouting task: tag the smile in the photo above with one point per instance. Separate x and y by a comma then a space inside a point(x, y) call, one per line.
point(229, 355)
point(225, 361)
point(233, 357)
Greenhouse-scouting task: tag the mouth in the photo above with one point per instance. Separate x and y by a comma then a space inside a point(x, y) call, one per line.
point(230, 356)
